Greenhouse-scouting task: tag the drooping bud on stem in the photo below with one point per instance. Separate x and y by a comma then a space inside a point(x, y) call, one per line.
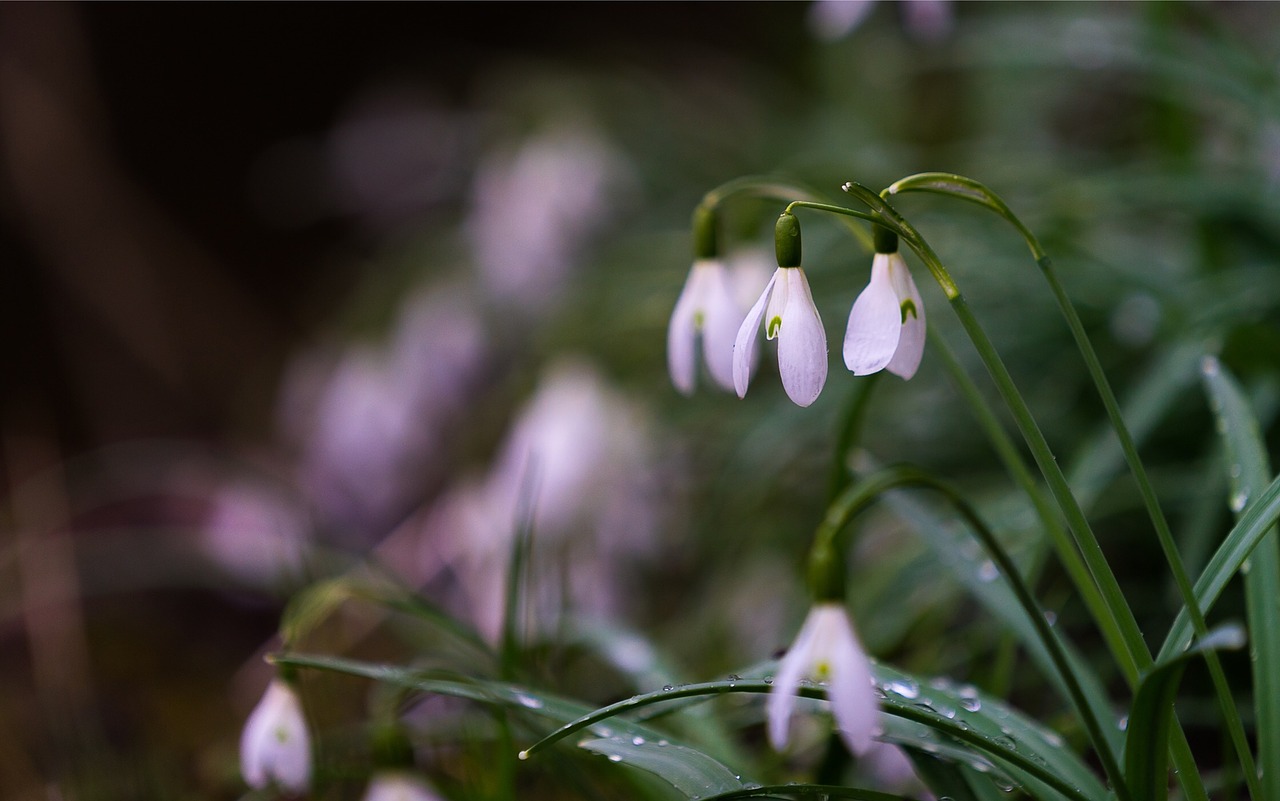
point(706, 232)
point(826, 572)
point(786, 237)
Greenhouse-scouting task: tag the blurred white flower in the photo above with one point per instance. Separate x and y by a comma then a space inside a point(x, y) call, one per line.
point(826, 650)
point(891, 770)
point(831, 20)
point(371, 420)
point(255, 533)
point(706, 307)
point(399, 786)
point(786, 307)
point(886, 325)
point(924, 20)
point(535, 208)
point(275, 747)
point(584, 451)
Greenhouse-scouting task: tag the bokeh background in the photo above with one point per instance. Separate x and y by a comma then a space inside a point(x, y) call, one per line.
point(290, 289)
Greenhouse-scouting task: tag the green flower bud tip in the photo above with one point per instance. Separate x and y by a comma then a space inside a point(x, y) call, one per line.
point(705, 233)
point(786, 237)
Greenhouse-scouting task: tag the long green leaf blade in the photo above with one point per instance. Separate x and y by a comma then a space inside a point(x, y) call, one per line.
point(1146, 758)
point(1248, 471)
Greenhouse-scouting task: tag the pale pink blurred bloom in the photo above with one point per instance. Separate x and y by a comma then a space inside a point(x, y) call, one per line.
point(924, 20)
point(255, 533)
point(373, 418)
point(831, 20)
point(395, 153)
point(534, 208)
point(890, 770)
point(749, 270)
point(584, 451)
point(928, 20)
point(399, 786)
point(275, 747)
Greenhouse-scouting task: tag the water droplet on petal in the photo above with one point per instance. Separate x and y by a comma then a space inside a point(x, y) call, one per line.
point(615, 757)
point(637, 740)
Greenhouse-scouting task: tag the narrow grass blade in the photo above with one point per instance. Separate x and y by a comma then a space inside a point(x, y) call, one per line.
point(1248, 471)
point(1146, 755)
point(1258, 519)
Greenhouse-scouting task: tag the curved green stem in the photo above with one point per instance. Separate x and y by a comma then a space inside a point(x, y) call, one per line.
point(968, 189)
point(765, 186)
point(867, 491)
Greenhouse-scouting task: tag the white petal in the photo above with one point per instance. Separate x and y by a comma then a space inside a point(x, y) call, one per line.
point(745, 345)
point(875, 323)
point(398, 786)
point(802, 342)
point(794, 666)
point(906, 359)
point(720, 320)
point(849, 689)
point(681, 333)
point(275, 746)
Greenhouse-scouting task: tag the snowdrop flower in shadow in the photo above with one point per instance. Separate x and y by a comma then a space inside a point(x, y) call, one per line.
point(787, 310)
point(705, 307)
point(826, 650)
point(886, 325)
point(399, 786)
point(275, 748)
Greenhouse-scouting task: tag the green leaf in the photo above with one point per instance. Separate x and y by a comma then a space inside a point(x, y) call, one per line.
point(968, 726)
point(688, 762)
point(958, 554)
point(691, 772)
point(1248, 470)
point(806, 790)
point(1258, 518)
point(1146, 743)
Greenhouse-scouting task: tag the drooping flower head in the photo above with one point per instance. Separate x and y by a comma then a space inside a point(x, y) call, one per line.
point(826, 651)
point(275, 747)
point(789, 315)
point(886, 325)
point(706, 307)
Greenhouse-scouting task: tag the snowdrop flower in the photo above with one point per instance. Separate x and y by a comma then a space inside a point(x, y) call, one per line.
point(886, 324)
point(399, 786)
point(275, 747)
point(706, 307)
point(826, 650)
point(787, 310)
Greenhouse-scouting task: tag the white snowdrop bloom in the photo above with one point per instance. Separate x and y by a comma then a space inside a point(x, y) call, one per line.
point(275, 747)
point(886, 325)
point(706, 307)
point(399, 786)
point(789, 315)
point(826, 650)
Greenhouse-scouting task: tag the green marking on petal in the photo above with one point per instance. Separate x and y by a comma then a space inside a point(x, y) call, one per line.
point(822, 670)
point(909, 307)
point(282, 734)
point(698, 318)
point(774, 326)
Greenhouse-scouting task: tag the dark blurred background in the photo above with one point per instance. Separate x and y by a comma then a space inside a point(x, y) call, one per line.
point(286, 285)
